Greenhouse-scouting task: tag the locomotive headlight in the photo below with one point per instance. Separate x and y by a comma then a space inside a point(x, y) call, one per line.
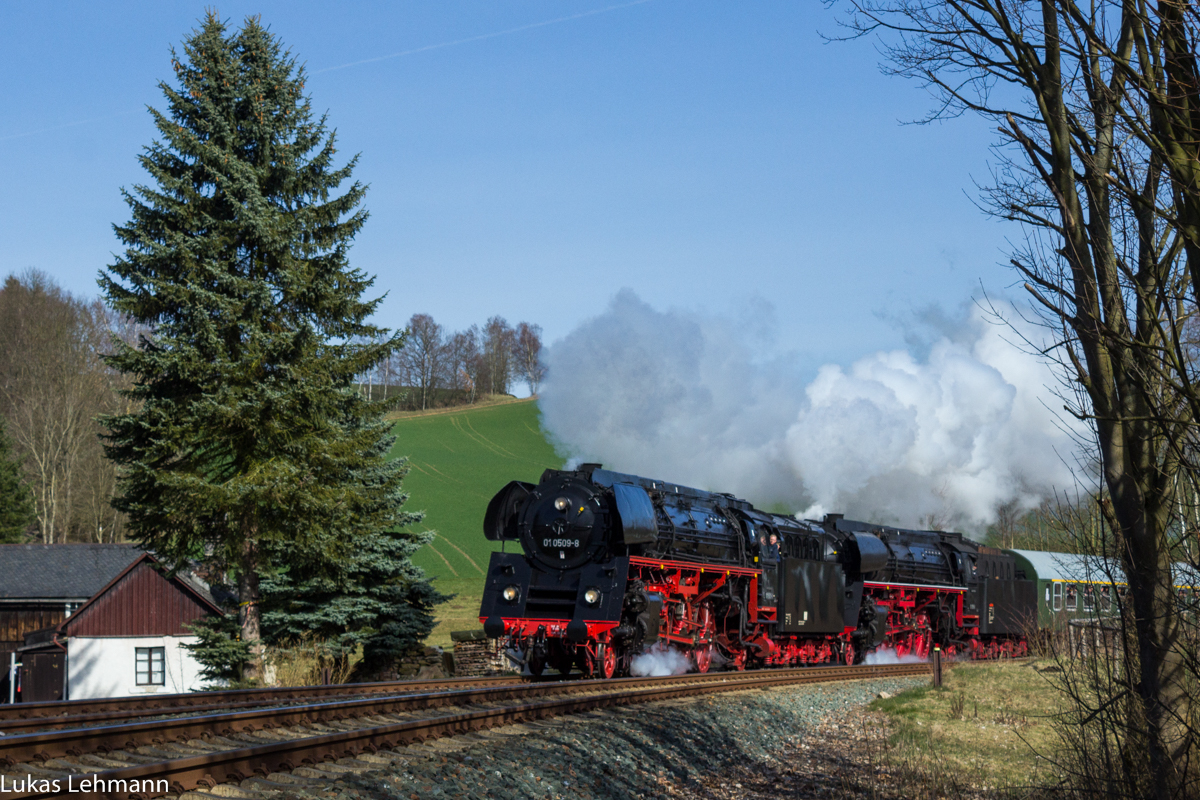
point(562, 503)
point(591, 596)
point(511, 593)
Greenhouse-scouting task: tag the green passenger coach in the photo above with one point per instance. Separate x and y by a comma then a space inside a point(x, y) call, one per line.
point(1071, 586)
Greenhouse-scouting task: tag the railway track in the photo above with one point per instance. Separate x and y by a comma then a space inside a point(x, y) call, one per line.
point(29, 717)
point(276, 746)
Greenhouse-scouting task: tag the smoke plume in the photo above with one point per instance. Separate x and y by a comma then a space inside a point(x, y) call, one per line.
point(896, 438)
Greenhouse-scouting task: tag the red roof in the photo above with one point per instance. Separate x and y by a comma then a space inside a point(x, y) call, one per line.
point(140, 601)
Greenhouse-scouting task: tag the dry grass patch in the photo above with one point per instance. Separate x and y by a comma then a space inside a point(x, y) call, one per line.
point(460, 613)
point(307, 662)
point(990, 728)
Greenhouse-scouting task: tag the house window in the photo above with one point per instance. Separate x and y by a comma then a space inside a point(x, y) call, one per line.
point(151, 663)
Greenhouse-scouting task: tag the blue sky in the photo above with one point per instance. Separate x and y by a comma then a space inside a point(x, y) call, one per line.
point(530, 159)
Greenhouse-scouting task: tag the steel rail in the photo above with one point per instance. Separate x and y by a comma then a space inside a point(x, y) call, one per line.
point(22, 726)
point(237, 765)
point(234, 698)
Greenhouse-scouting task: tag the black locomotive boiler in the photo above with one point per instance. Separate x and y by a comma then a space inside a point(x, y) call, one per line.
point(610, 564)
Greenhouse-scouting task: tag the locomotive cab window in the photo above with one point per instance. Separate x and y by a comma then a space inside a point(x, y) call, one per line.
point(150, 666)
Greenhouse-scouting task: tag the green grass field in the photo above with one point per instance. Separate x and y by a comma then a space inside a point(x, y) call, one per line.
point(458, 459)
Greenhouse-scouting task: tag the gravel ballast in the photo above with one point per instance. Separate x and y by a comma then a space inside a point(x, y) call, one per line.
point(703, 747)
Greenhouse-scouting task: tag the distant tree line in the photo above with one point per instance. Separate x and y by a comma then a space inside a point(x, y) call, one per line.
point(56, 483)
point(436, 368)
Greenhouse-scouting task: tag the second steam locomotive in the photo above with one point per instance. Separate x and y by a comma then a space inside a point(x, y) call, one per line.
point(611, 564)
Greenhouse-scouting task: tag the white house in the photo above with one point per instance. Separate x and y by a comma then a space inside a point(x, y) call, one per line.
point(126, 640)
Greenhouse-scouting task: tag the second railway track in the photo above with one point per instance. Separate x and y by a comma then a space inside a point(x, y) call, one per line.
point(181, 753)
point(22, 718)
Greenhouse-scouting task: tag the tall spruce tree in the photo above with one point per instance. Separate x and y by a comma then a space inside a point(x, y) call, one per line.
point(250, 443)
point(17, 513)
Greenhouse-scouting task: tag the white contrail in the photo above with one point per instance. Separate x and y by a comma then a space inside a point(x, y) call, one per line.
point(414, 51)
point(483, 36)
point(66, 125)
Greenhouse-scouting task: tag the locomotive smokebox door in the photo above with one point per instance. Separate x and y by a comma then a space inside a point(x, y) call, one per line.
point(813, 597)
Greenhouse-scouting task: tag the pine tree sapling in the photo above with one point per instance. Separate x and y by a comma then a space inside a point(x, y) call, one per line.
point(220, 651)
point(249, 442)
point(17, 514)
point(379, 600)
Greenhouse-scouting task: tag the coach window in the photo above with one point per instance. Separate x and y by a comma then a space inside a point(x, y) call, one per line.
point(1058, 596)
point(1088, 605)
point(151, 666)
point(1105, 598)
point(1047, 594)
point(1072, 598)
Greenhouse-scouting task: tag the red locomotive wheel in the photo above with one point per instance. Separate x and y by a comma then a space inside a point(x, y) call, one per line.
point(848, 654)
point(606, 661)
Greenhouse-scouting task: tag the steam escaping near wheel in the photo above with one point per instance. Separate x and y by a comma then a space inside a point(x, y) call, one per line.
point(887, 655)
point(659, 661)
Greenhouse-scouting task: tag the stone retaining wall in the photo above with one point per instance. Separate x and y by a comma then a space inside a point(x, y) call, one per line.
point(476, 655)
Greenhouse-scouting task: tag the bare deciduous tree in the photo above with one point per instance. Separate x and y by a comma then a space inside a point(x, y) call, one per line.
point(1070, 87)
point(462, 361)
point(527, 351)
point(53, 388)
point(497, 355)
point(423, 356)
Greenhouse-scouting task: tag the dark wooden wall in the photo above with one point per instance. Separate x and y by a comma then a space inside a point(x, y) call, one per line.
point(18, 620)
point(142, 603)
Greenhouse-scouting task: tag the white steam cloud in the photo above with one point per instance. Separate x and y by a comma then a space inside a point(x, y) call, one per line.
point(887, 655)
point(893, 438)
point(659, 661)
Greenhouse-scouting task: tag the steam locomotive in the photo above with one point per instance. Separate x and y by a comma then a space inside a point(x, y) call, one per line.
point(611, 564)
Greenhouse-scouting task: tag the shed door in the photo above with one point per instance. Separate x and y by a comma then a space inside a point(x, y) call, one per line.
point(42, 677)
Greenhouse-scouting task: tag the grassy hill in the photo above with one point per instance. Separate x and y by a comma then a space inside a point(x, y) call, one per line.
point(459, 458)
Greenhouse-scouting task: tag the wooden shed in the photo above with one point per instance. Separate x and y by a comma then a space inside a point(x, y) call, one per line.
point(40, 586)
point(128, 638)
